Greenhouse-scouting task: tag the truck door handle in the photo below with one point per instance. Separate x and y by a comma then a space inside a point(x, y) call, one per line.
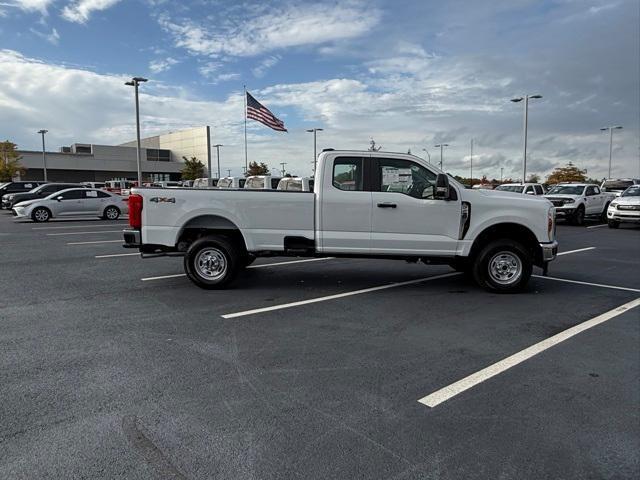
point(387, 205)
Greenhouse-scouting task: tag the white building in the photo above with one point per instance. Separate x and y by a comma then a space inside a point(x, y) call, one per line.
point(161, 159)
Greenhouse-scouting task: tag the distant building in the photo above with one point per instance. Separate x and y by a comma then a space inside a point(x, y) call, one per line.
point(161, 159)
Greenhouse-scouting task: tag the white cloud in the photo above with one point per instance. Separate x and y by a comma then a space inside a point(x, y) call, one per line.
point(39, 6)
point(80, 10)
point(269, 62)
point(53, 37)
point(292, 25)
point(158, 66)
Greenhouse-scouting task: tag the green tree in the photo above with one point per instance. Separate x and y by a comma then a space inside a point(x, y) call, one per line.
point(568, 173)
point(193, 168)
point(533, 178)
point(9, 161)
point(256, 168)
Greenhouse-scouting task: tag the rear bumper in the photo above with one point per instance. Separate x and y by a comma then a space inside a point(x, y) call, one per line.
point(132, 238)
point(549, 251)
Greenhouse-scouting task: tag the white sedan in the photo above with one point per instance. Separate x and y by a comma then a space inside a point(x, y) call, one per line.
point(73, 202)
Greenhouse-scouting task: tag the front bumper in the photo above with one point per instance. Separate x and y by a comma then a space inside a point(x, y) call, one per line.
point(6, 204)
point(19, 212)
point(549, 251)
point(132, 238)
point(565, 211)
point(630, 216)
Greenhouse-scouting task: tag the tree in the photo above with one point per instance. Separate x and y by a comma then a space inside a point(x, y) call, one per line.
point(193, 168)
point(533, 178)
point(9, 161)
point(372, 146)
point(256, 168)
point(568, 173)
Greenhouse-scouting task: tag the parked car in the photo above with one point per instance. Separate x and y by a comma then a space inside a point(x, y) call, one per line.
point(166, 184)
point(72, 202)
point(9, 188)
point(231, 182)
point(300, 184)
point(186, 183)
point(204, 182)
point(575, 201)
point(44, 190)
point(100, 185)
point(625, 208)
point(117, 186)
point(497, 237)
point(619, 185)
point(525, 188)
point(261, 182)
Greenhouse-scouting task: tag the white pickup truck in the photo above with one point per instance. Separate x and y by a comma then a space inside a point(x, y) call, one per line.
point(575, 201)
point(364, 204)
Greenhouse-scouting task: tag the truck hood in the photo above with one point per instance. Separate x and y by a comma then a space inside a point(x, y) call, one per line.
point(627, 201)
point(561, 195)
point(502, 197)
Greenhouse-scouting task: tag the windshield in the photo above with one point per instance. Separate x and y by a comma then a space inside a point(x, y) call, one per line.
point(2, 185)
point(225, 183)
point(616, 184)
point(254, 183)
point(510, 188)
point(566, 190)
point(632, 191)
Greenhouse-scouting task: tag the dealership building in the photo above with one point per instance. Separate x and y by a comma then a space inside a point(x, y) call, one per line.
point(161, 159)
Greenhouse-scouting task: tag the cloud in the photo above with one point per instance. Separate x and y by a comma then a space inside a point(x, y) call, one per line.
point(39, 6)
point(159, 66)
point(53, 37)
point(80, 10)
point(260, 70)
point(292, 25)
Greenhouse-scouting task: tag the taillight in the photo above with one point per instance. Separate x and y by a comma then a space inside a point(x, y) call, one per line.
point(135, 210)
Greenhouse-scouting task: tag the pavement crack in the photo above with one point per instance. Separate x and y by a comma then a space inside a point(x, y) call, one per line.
point(151, 453)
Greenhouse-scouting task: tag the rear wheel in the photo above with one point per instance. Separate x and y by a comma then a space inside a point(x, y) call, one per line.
point(41, 214)
point(111, 213)
point(613, 224)
point(212, 262)
point(503, 266)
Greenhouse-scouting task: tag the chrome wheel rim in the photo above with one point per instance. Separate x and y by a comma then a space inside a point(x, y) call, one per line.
point(211, 264)
point(41, 215)
point(505, 268)
point(112, 213)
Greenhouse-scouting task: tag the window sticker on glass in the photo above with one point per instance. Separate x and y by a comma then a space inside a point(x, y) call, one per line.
point(92, 194)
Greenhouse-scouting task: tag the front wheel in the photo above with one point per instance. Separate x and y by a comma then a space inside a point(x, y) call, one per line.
point(41, 214)
point(212, 262)
point(111, 213)
point(603, 216)
point(503, 266)
point(578, 217)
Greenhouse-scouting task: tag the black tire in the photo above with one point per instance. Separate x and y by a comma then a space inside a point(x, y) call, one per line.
point(111, 213)
point(249, 258)
point(503, 266)
point(603, 216)
point(215, 255)
point(578, 216)
point(41, 214)
point(613, 224)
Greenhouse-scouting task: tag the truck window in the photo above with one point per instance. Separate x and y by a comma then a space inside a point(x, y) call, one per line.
point(347, 174)
point(539, 190)
point(590, 191)
point(405, 176)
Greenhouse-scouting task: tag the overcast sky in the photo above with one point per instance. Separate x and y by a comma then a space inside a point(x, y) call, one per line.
point(409, 73)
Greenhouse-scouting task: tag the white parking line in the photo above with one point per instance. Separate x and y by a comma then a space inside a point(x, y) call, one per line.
point(101, 225)
point(576, 251)
point(436, 398)
point(333, 297)
point(598, 226)
point(98, 241)
point(614, 287)
point(177, 275)
point(118, 255)
point(82, 233)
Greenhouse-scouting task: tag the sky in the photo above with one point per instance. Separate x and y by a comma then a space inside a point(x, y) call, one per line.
point(408, 73)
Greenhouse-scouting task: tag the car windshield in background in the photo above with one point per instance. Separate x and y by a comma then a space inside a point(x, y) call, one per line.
point(566, 190)
point(632, 191)
point(510, 188)
point(616, 185)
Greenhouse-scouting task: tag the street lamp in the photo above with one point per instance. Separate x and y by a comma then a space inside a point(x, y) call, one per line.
point(217, 146)
point(135, 81)
point(526, 121)
point(315, 157)
point(611, 129)
point(441, 146)
point(428, 155)
point(44, 154)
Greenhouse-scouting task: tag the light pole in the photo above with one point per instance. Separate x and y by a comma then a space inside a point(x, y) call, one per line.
point(283, 170)
point(315, 155)
point(428, 155)
point(218, 145)
point(135, 81)
point(471, 165)
point(526, 122)
point(441, 146)
point(228, 172)
point(611, 129)
point(44, 154)
point(501, 171)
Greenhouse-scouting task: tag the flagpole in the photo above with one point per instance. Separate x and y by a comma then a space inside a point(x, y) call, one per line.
point(246, 162)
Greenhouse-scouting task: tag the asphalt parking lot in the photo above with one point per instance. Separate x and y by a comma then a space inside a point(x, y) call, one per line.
point(116, 367)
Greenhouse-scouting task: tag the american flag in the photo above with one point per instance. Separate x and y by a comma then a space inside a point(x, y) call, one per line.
point(257, 111)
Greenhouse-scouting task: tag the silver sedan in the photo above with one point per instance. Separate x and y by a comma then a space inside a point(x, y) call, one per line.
point(73, 202)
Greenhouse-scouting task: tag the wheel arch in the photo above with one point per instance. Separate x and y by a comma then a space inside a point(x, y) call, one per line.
point(512, 231)
point(209, 224)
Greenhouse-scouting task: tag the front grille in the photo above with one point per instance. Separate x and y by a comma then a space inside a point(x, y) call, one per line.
point(628, 207)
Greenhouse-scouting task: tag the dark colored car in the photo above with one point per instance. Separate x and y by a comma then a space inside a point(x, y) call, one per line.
point(41, 191)
point(10, 188)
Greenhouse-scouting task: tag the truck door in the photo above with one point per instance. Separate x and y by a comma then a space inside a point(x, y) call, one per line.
point(406, 218)
point(593, 200)
point(345, 209)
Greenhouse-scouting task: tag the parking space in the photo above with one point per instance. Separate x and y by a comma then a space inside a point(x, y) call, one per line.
point(314, 368)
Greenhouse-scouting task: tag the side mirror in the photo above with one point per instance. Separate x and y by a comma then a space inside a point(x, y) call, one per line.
point(442, 187)
point(530, 193)
point(59, 198)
